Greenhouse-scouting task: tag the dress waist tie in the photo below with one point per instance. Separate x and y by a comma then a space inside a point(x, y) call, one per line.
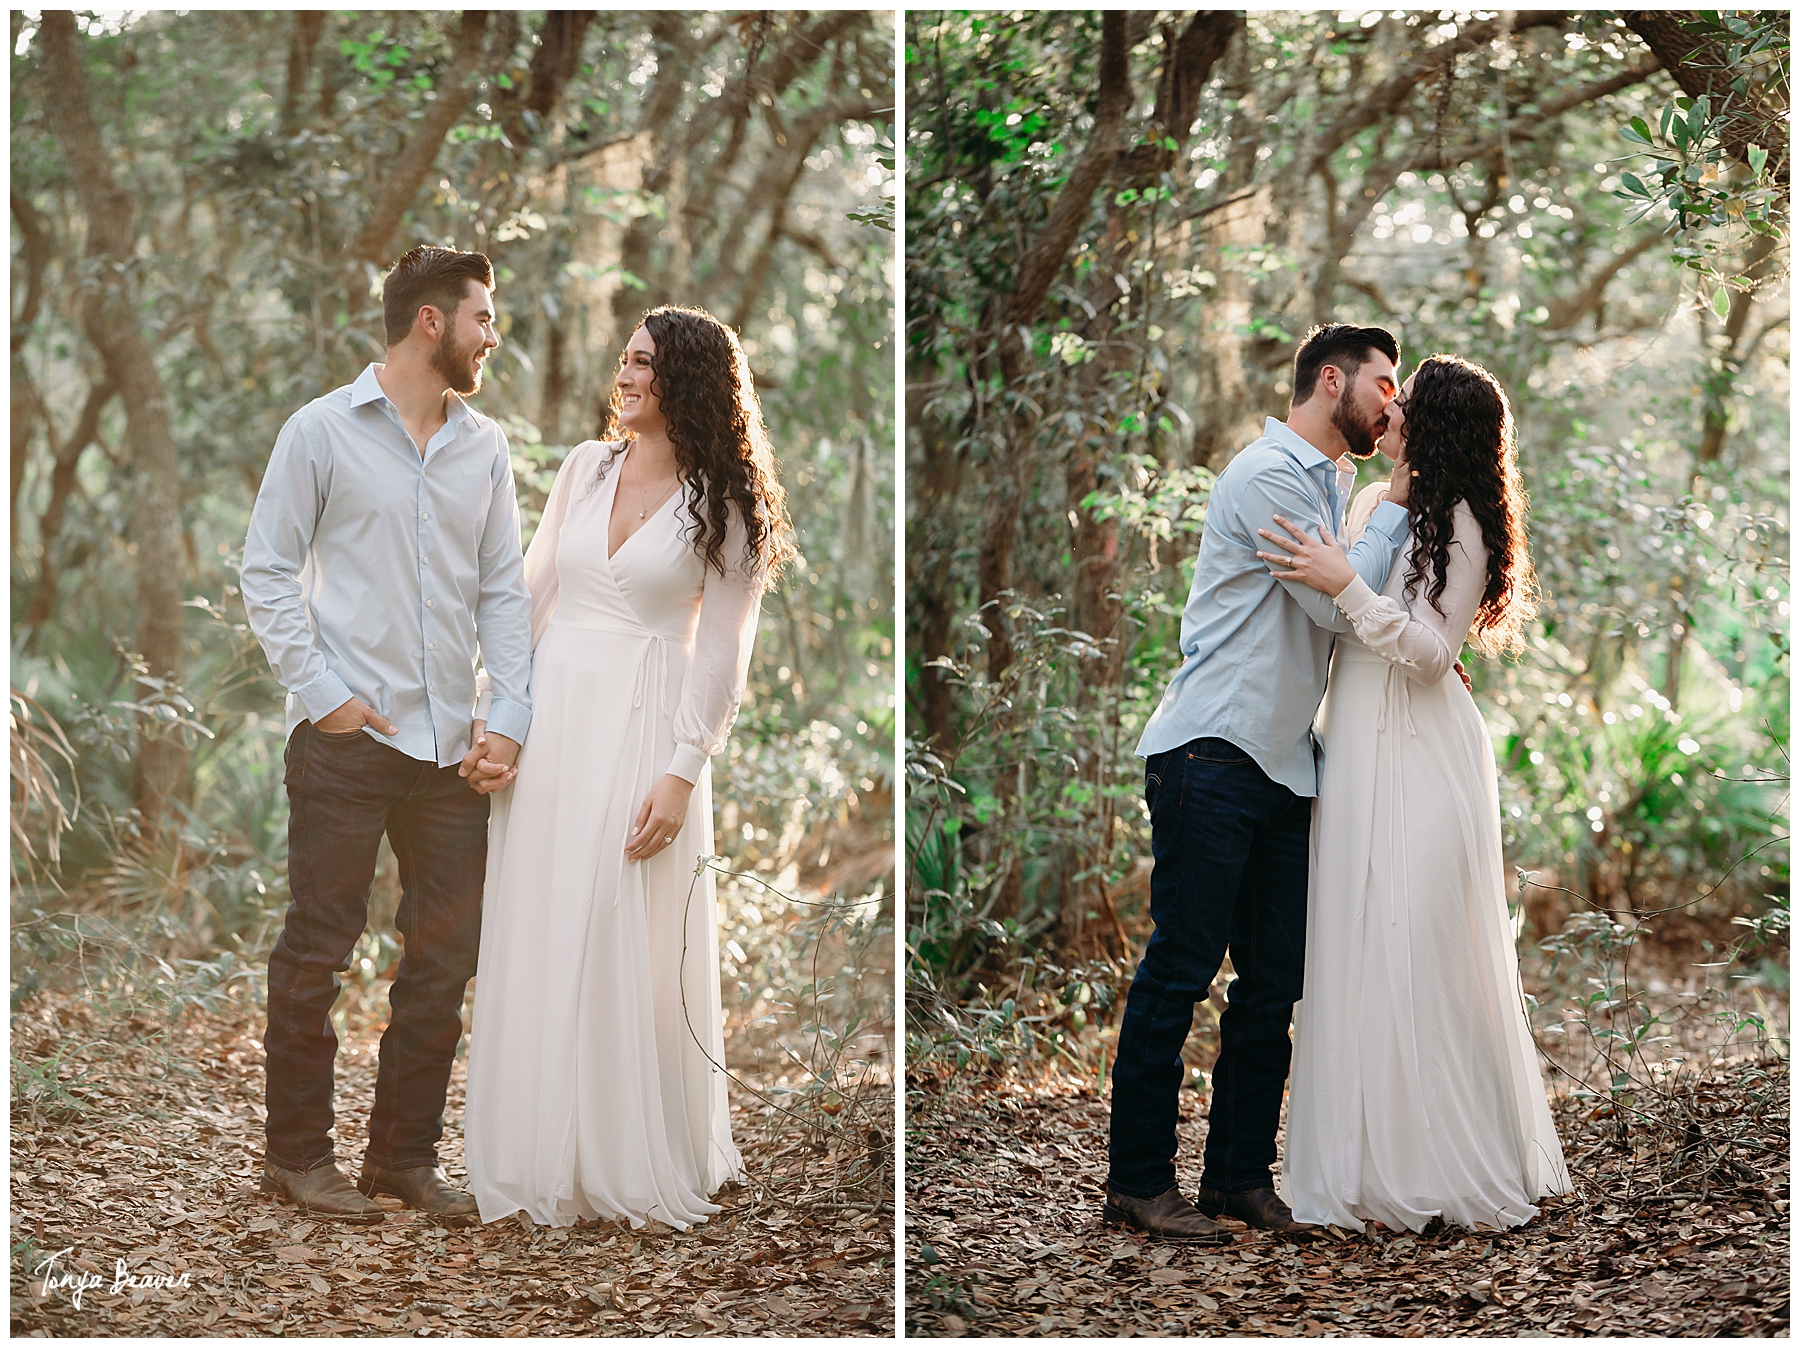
point(652, 670)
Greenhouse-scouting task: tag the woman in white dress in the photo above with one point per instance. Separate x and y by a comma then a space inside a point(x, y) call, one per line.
point(1416, 1091)
point(595, 1085)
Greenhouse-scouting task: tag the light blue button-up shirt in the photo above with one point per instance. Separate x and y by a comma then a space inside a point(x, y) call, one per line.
point(1256, 650)
point(370, 570)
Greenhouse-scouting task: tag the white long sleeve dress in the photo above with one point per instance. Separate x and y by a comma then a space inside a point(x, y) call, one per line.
point(595, 1086)
point(1415, 1090)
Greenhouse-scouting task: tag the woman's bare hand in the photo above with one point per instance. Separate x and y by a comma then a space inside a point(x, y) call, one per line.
point(1319, 563)
point(659, 818)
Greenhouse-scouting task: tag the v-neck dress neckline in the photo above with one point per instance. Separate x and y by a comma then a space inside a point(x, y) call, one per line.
point(618, 480)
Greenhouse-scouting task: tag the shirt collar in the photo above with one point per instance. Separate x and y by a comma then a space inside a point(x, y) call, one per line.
point(1298, 446)
point(367, 389)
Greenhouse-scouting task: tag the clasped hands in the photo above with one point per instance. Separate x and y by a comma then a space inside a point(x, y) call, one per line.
point(492, 763)
point(492, 760)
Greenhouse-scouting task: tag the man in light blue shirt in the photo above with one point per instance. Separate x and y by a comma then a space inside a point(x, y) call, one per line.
point(383, 553)
point(1229, 778)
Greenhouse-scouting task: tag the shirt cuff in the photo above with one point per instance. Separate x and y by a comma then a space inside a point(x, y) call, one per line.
point(1394, 521)
point(688, 763)
point(1356, 598)
point(323, 696)
point(510, 719)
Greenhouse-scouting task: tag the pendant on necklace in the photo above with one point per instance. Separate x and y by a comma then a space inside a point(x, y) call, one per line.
point(641, 514)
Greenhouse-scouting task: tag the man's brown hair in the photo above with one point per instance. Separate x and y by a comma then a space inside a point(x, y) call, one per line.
point(1342, 345)
point(425, 275)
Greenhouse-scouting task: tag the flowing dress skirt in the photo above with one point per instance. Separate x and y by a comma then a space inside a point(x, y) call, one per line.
point(596, 1087)
point(1416, 1090)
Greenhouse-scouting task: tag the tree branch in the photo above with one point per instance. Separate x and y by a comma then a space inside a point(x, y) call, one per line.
point(62, 484)
point(1521, 127)
point(779, 181)
point(1038, 266)
point(1427, 65)
point(414, 162)
point(1566, 313)
point(34, 231)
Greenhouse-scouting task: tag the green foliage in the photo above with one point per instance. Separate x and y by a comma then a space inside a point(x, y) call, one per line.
point(1710, 179)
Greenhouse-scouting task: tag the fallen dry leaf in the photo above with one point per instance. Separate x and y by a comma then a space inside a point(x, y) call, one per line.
point(1022, 1253)
point(255, 1268)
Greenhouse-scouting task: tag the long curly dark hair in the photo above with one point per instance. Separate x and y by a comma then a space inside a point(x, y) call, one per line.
point(1460, 438)
point(701, 378)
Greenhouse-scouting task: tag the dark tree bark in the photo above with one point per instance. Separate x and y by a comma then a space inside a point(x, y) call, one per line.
point(34, 236)
point(526, 109)
point(929, 560)
point(109, 317)
point(1701, 70)
point(309, 25)
point(1037, 269)
point(414, 162)
point(1033, 276)
point(557, 59)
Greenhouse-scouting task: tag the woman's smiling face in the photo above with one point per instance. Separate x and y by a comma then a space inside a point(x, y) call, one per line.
point(640, 411)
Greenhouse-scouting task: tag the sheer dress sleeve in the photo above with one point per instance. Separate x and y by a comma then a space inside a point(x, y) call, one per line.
point(1415, 636)
point(729, 607)
point(540, 557)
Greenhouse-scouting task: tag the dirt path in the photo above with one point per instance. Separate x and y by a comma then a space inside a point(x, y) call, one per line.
point(1004, 1185)
point(140, 1144)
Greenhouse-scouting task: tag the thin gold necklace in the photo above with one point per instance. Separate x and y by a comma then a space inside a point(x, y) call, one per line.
point(643, 509)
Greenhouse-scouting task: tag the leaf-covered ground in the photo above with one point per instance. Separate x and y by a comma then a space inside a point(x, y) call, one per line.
point(140, 1142)
point(1005, 1177)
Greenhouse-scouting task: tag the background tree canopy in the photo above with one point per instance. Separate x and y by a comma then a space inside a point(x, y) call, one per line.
point(1118, 227)
point(203, 204)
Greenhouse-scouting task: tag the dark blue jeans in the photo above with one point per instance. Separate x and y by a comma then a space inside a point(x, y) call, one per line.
point(344, 792)
point(1230, 849)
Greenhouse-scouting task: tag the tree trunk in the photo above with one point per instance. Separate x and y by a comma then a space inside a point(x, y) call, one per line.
point(309, 24)
point(109, 317)
point(1033, 276)
point(658, 152)
point(1096, 607)
point(1707, 75)
point(1721, 380)
point(34, 238)
point(929, 561)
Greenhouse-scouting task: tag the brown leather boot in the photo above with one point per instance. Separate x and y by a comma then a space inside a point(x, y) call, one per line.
point(320, 1192)
point(1261, 1208)
point(426, 1188)
point(1168, 1215)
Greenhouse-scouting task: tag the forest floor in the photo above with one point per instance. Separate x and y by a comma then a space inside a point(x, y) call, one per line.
point(1005, 1173)
point(136, 1146)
